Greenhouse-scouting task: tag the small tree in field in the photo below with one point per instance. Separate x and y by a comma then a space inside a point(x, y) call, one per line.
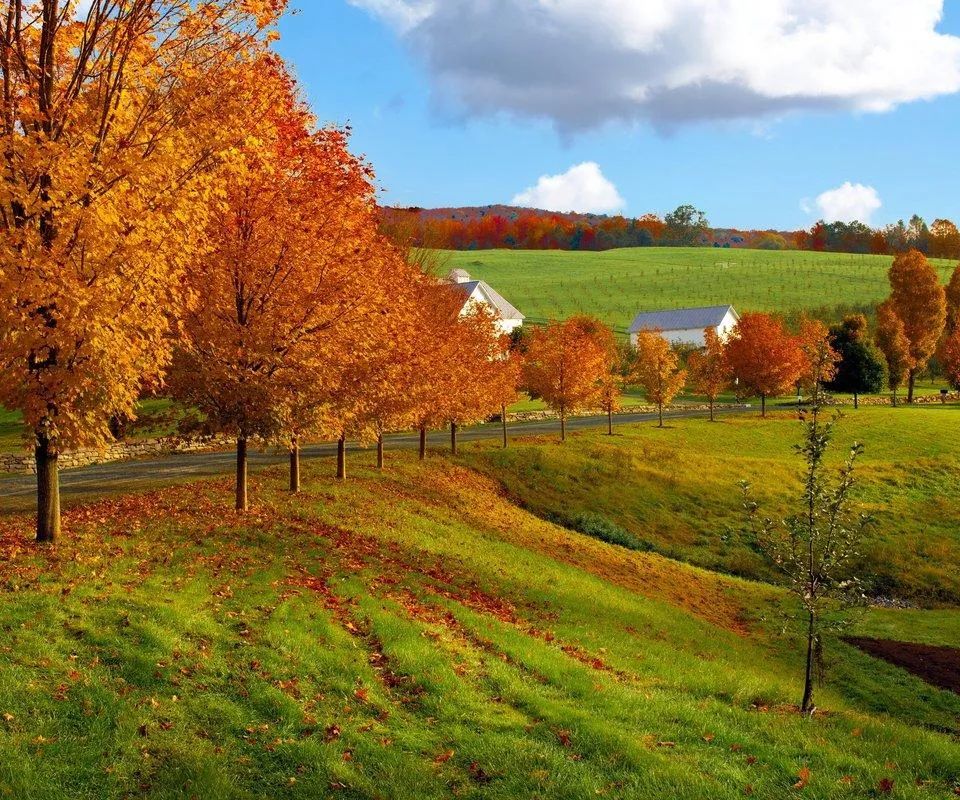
point(895, 346)
point(709, 370)
point(657, 370)
point(815, 548)
point(764, 357)
point(861, 369)
point(566, 363)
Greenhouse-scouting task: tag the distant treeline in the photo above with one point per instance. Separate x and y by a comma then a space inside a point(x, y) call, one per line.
point(529, 229)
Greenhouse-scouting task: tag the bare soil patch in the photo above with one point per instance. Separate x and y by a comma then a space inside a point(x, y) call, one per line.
point(937, 665)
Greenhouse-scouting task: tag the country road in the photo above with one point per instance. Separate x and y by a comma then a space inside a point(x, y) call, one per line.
point(17, 491)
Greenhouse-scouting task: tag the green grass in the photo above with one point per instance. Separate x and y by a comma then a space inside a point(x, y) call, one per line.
point(417, 635)
point(616, 284)
point(672, 488)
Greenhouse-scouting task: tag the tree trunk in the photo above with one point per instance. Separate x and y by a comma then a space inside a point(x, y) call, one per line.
point(48, 490)
point(711, 409)
point(856, 400)
point(910, 385)
point(423, 442)
point(807, 704)
point(893, 398)
point(379, 451)
point(763, 405)
point(242, 499)
point(609, 420)
point(503, 424)
point(453, 438)
point(342, 457)
point(660, 414)
point(294, 465)
point(563, 426)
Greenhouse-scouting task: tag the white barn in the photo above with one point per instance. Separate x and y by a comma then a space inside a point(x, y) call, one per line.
point(480, 292)
point(686, 325)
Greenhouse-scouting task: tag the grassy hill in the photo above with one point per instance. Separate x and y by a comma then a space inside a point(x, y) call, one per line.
point(616, 284)
point(418, 634)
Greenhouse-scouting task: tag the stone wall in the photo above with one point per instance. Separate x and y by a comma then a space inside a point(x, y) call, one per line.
point(23, 463)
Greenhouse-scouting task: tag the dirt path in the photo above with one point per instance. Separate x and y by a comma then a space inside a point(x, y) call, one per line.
point(934, 664)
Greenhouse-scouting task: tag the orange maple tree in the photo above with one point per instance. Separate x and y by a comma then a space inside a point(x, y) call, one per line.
point(708, 367)
point(891, 339)
point(566, 363)
point(294, 257)
point(820, 358)
point(765, 359)
point(657, 370)
point(114, 123)
point(919, 301)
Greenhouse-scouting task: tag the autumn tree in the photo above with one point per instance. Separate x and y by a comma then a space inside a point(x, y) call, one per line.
point(504, 383)
point(819, 357)
point(709, 370)
point(479, 350)
point(952, 296)
point(565, 365)
point(861, 368)
point(950, 357)
point(657, 370)
point(293, 257)
point(919, 301)
point(891, 339)
point(621, 361)
point(764, 358)
point(435, 359)
point(113, 124)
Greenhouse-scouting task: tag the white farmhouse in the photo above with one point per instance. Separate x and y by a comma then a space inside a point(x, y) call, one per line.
point(479, 292)
point(686, 325)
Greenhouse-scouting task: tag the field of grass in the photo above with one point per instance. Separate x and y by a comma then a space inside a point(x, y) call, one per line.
point(417, 634)
point(671, 488)
point(616, 284)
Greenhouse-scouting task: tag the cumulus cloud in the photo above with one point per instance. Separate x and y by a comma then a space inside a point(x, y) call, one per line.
point(582, 63)
point(847, 203)
point(582, 188)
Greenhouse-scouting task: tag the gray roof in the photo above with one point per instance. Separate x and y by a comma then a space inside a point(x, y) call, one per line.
point(681, 319)
point(493, 297)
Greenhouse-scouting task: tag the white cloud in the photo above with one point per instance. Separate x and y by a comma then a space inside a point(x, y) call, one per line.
point(847, 203)
point(582, 63)
point(582, 188)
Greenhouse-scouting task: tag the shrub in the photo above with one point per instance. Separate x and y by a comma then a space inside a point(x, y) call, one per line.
point(599, 527)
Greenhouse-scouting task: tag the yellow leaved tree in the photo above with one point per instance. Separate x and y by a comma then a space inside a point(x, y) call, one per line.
point(114, 122)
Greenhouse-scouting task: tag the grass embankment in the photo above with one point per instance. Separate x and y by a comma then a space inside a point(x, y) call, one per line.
point(417, 635)
point(672, 489)
point(616, 284)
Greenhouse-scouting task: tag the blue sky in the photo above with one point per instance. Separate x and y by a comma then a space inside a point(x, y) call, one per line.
point(435, 143)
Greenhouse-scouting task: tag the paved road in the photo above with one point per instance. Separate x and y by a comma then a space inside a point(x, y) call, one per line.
point(16, 490)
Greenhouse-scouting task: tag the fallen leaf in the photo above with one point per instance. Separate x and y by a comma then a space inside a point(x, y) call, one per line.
point(804, 778)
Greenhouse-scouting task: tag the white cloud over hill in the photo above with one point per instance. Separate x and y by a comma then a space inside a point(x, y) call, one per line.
point(582, 63)
point(582, 188)
point(848, 203)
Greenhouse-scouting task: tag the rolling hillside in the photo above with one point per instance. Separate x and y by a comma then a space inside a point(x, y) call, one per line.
point(417, 634)
point(616, 284)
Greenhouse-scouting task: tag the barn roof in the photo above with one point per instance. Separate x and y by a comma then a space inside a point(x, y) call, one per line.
point(681, 319)
point(505, 309)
